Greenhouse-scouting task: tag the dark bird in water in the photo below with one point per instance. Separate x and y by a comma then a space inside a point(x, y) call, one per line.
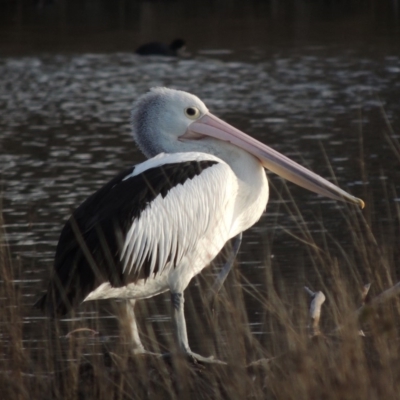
point(175, 49)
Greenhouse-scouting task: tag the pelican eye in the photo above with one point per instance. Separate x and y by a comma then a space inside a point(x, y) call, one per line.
point(192, 112)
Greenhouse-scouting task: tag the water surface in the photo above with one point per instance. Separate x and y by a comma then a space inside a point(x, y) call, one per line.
point(64, 131)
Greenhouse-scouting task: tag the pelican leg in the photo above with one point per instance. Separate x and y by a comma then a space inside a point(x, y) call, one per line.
point(134, 338)
point(178, 318)
point(129, 327)
point(219, 281)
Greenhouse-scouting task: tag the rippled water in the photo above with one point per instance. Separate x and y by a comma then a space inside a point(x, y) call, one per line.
point(64, 131)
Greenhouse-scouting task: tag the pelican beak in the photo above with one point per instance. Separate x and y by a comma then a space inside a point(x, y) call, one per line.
point(210, 125)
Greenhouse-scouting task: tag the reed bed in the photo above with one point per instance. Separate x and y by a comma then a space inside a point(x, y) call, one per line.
point(352, 355)
point(293, 362)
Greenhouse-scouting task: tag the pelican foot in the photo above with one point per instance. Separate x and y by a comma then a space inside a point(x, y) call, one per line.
point(143, 352)
point(197, 358)
point(193, 358)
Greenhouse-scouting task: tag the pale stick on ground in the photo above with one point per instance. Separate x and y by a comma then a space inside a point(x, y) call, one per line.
point(318, 298)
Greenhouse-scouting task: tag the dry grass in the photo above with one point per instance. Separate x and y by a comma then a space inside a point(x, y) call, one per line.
point(285, 364)
point(289, 364)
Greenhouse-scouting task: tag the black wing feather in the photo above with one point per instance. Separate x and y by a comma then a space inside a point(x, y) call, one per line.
point(90, 244)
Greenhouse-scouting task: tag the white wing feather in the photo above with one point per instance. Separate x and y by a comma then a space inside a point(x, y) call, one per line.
point(170, 227)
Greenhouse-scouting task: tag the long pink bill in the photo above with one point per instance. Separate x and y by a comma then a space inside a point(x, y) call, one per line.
point(210, 125)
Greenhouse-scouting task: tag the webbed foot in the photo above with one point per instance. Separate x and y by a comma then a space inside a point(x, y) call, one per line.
point(197, 358)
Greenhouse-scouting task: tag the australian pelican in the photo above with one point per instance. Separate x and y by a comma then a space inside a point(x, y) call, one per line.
point(156, 225)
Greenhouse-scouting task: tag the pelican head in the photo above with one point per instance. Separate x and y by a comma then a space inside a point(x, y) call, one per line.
point(161, 116)
point(167, 120)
